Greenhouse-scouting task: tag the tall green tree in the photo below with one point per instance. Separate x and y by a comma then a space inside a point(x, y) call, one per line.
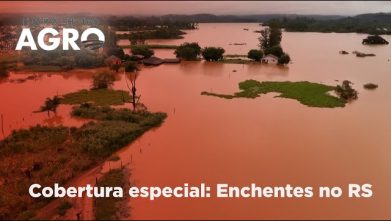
point(264, 39)
point(270, 36)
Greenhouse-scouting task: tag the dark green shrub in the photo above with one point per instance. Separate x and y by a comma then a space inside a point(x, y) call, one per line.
point(213, 53)
point(284, 59)
point(275, 50)
point(345, 91)
point(255, 54)
point(188, 51)
point(143, 50)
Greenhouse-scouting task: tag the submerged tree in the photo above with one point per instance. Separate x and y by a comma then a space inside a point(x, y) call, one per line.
point(275, 50)
point(345, 91)
point(131, 74)
point(51, 104)
point(188, 51)
point(255, 54)
point(284, 59)
point(264, 39)
point(213, 53)
point(270, 37)
point(275, 35)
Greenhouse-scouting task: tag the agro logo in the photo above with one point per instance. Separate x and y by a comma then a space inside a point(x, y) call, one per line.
point(69, 38)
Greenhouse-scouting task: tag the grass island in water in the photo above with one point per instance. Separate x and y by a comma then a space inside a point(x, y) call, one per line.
point(307, 93)
point(102, 97)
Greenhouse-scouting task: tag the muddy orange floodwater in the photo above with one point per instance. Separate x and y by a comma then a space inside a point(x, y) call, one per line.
point(267, 140)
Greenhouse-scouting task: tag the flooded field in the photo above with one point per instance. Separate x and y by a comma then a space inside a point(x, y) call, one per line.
point(267, 140)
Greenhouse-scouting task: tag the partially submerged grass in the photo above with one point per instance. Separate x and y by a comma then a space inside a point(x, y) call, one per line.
point(144, 119)
point(235, 56)
point(370, 86)
point(48, 155)
point(106, 208)
point(102, 97)
point(307, 93)
point(238, 61)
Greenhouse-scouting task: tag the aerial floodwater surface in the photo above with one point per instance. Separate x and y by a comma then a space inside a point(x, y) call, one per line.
point(206, 141)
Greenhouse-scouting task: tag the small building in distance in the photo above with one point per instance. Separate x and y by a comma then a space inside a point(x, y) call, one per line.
point(270, 59)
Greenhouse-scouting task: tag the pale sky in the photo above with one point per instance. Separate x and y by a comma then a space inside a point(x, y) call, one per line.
point(192, 7)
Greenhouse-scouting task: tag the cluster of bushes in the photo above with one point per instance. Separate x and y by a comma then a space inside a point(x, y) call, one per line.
point(212, 53)
point(188, 51)
point(255, 54)
point(345, 91)
point(192, 51)
point(143, 50)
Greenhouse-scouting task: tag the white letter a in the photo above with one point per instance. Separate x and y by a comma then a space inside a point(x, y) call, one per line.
point(26, 33)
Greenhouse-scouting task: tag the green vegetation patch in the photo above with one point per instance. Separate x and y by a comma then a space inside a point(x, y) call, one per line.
point(237, 61)
point(102, 97)
point(307, 93)
point(48, 155)
point(106, 208)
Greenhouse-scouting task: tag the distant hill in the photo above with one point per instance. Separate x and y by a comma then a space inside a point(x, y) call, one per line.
point(376, 23)
point(210, 18)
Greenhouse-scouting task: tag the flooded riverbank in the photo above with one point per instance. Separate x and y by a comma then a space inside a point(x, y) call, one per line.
point(265, 140)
